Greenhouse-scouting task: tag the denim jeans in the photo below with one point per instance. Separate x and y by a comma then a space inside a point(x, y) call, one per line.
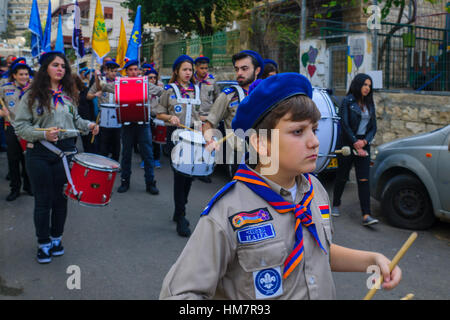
point(47, 177)
point(141, 134)
point(362, 167)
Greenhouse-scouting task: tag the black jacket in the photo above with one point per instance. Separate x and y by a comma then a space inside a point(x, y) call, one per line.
point(350, 114)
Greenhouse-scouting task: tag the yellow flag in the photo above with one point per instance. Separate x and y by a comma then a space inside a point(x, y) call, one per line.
point(122, 47)
point(100, 43)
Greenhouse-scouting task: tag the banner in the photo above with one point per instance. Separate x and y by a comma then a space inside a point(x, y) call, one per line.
point(36, 30)
point(100, 43)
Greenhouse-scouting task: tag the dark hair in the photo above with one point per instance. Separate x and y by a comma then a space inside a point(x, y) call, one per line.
point(155, 73)
point(16, 69)
point(40, 87)
point(355, 89)
point(177, 69)
point(243, 55)
point(268, 68)
point(299, 108)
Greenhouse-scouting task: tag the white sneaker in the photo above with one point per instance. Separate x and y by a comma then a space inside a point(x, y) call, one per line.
point(335, 212)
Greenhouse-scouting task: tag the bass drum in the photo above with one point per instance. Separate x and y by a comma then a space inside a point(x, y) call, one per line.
point(327, 132)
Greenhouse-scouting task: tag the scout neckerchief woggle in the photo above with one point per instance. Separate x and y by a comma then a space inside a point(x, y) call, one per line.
point(302, 212)
point(56, 94)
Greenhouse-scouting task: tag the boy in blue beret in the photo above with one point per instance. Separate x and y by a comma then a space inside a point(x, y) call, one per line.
point(136, 131)
point(207, 83)
point(267, 234)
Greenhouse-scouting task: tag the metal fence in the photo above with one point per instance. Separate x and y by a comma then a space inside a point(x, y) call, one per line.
point(414, 57)
point(218, 47)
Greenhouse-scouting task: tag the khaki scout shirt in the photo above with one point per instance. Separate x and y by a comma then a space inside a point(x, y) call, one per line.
point(215, 264)
point(11, 95)
point(208, 93)
point(65, 117)
point(168, 104)
point(224, 108)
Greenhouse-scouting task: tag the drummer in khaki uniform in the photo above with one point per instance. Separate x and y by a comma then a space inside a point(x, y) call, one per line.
point(171, 109)
point(248, 66)
point(11, 93)
point(209, 90)
point(252, 242)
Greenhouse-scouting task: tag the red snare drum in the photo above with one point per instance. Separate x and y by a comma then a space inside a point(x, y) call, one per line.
point(131, 94)
point(93, 177)
point(159, 132)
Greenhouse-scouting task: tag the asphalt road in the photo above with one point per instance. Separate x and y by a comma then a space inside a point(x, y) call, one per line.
point(124, 250)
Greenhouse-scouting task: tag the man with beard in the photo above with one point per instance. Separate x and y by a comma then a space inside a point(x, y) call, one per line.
point(248, 66)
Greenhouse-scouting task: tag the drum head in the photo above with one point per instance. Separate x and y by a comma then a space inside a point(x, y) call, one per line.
point(192, 137)
point(328, 128)
point(94, 161)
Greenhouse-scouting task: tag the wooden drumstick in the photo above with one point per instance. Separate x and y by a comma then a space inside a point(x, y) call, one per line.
point(393, 263)
point(62, 130)
point(96, 123)
point(409, 296)
point(225, 138)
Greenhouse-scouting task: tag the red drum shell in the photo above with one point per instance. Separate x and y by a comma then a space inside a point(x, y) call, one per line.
point(93, 184)
point(159, 134)
point(23, 144)
point(131, 94)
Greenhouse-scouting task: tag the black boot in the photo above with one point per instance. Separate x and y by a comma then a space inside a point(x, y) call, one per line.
point(124, 186)
point(13, 195)
point(183, 227)
point(151, 188)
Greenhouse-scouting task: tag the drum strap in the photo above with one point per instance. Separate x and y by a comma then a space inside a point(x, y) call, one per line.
point(63, 155)
point(240, 92)
point(188, 102)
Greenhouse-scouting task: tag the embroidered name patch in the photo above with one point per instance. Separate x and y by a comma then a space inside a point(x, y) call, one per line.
point(268, 283)
point(256, 233)
point(241, 219)
point(325, 211)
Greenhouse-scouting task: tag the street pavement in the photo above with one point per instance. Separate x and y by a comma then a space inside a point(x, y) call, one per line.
point(124, 250)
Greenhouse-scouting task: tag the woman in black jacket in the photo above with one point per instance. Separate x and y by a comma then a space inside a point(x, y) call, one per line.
point(358, 128)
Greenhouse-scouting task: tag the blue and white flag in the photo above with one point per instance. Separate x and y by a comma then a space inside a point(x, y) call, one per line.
point(36, 30)
point(77, 37)
point(59, 45)
point(47, 40)
point(135, 38)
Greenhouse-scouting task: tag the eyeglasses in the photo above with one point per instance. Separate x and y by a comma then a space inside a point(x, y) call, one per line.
point(154, 78)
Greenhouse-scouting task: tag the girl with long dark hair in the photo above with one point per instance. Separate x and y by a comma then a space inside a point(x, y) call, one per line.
point(358, 128)
point(50, 104)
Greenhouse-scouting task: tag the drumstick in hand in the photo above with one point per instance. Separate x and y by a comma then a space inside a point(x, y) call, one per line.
point(96, 123)
point(393, 263)
point(62, 130)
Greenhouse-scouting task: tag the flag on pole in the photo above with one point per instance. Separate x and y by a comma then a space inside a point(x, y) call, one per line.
point(59, 46)
point(77, 37)
point(47, 40)
point(135, 38)
point(36, 30)
point(122, 47)
point(100, 43)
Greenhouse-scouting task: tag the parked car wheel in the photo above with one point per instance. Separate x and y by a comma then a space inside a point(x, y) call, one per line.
point(406, 203)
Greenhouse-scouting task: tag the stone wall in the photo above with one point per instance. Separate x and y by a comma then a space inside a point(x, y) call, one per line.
point(405, 114)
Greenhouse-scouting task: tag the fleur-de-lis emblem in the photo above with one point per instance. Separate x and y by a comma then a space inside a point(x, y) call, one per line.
point(101, 27)
point(268, 281)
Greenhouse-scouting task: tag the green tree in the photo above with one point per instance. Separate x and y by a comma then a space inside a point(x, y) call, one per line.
point(10, 30)
point(203, 17)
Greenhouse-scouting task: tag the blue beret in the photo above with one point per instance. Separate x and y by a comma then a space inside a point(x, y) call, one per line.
point(151, 70)
point(45, 55)
point(112, 64)
point(146, 66)
point(202, 59)
point(267, 95)
point(19, 62)
point(266, 61)
point(180, 59)
point(258, 58)
point(131, 63)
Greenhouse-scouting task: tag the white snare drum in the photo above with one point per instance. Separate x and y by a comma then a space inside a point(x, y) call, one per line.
point(328, 128)
point(108, 116)
point(189, 156)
